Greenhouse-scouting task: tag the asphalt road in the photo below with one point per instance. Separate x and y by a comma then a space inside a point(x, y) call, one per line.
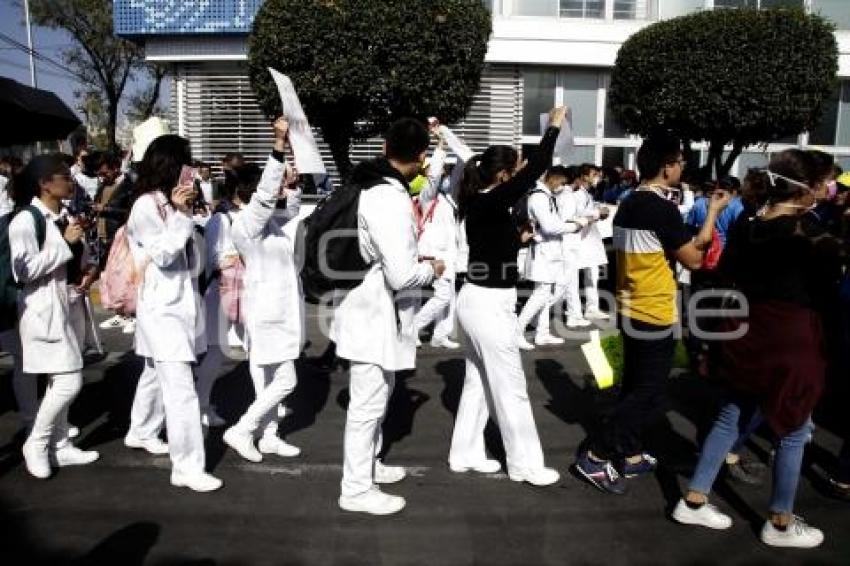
point(122, 511)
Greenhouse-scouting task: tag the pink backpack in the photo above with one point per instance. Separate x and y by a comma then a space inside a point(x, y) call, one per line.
point(230, 290)
point(121, 278)
point(119, 283)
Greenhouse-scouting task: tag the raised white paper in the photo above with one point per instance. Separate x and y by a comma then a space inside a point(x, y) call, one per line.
point(308, 160)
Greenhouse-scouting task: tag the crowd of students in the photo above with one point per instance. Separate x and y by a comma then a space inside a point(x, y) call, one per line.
point(460, 230)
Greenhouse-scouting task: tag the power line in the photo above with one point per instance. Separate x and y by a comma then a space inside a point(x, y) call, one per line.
point(19, 65)
point(41, 57)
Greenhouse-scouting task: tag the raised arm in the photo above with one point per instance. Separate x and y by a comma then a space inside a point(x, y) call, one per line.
point(435, 175)
point(510, 191)
point(253, 219)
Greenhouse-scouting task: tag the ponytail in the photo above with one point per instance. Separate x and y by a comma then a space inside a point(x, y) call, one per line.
point(470, 184)
point(480, 172)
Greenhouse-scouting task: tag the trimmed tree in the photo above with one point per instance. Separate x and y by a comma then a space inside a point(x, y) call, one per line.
point(360, 64)
point(727, 77)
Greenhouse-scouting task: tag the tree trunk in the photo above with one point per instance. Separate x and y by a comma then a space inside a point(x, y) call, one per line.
point(725, 167)
point(715, 153)
point(339, 141)
point(150, 106)
point(111, 122)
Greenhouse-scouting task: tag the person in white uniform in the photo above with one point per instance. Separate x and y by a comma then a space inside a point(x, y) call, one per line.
point(49, 344)
point(495, 382)
point(373, 325)
point(169, 318)
point(591, 249)
point(437, 239)
point(272, 300)
point(545, 262)
point(221, 255)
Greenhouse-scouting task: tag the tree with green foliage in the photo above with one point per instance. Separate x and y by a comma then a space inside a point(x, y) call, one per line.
point(727, 77)
point(360, 64)
point(102, 62)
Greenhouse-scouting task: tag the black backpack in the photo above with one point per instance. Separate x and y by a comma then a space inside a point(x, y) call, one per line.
point(519, 212)
point(331, 247)
point(9, 288)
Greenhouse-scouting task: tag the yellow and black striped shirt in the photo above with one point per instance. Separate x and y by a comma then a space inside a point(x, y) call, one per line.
point(648, 229)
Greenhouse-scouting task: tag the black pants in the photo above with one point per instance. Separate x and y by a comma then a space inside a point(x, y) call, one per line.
point(647, 358)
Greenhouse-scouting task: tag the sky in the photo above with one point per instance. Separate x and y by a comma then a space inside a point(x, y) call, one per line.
point(14, 63)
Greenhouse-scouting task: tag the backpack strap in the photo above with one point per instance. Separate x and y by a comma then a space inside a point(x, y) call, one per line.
point(40, 224)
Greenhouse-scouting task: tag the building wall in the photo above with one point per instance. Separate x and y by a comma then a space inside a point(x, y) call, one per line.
point(542, 52)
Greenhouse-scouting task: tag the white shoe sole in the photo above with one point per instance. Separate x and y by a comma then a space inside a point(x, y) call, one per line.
point(255, 458)
point(139, 445)
point(176, 482)
point(684, 520)
point(353, 507)
point(476, 469)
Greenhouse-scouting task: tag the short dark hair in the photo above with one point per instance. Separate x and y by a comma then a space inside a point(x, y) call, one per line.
point(586, 168)
point(242, 181)
point(27, 184)
point(557, 171)
point(656, 152)
point(95, 160)
point(406, 139)
point(823, 163)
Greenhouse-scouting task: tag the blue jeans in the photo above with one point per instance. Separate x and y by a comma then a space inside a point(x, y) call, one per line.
point(735, 417)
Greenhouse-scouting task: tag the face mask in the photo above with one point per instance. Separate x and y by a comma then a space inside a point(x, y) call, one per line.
point(831, 190)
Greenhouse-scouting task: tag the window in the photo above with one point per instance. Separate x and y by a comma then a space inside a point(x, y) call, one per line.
point(759, 4)
point(536, 8)
point(825, 132)
point(836, 10)
point(843, 137)
point(538, 97)
point(675, 8)
point(613, 129)
point(583, 9)
point(581, 94)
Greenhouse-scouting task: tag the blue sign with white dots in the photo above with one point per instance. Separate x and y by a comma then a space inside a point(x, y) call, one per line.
point(170, 17)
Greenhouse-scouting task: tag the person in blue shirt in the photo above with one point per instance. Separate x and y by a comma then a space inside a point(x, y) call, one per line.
point(696, 216)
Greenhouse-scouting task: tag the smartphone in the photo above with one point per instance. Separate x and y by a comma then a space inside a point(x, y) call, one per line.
point(187, 176)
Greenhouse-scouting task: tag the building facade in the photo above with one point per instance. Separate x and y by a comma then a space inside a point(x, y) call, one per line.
point(541, 53)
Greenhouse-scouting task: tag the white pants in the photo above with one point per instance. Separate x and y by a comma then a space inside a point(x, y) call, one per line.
point(369, 389)
point(537, 304)
point(172, 384)
point(494, 379)
point(147, 416)
point(272, 383)
point(51, 421)
point(591, 288)
point(439, 308)
point(24, 385)
point(569, 291)
point(208, 373)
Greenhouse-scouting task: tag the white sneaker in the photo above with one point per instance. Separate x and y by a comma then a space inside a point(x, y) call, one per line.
point(706, 515)
point(540, 477)
point(129, 326)
point(201, 482)
point(277, 446)
point(153, 446)
point(578, 322)
point(523, 343)
point(418, 343)
point(116, 321)
point(484, 467)
point(70, 455)
point(37, 461)
point(282, 411)
point(73, 432)
point(797, 534)
point(374, 502)
point(444, 342)
point(388, 474)
point(243, 444)
point(596, 314)
point(209, 418)
point(548, 340)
